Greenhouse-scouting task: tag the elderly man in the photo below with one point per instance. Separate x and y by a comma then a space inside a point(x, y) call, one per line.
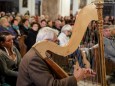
point(34, 71)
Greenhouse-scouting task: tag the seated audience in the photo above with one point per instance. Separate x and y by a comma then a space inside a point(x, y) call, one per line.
point(9, 59)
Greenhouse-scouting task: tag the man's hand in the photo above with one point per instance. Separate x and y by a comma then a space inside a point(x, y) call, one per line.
point(81, 73)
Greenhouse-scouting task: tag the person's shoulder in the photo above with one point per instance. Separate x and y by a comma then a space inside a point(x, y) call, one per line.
point(106, 40)
point(1, 51)
point(31, 54)
point(2, 54)
point(61, 35)
point(30, 58)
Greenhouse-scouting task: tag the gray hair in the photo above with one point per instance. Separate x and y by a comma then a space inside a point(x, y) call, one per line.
point(46, 33)
point(66, 28)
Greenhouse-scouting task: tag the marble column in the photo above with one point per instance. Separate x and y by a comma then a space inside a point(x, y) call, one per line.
point(64, 7)
point(50, 8)
point(82, 3)
point(75, 6)
point(27, 6)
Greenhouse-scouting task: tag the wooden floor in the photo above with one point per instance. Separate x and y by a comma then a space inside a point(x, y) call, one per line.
point(82, 83)
point(87, 83)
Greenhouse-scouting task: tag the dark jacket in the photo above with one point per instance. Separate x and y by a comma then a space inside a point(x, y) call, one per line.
point(9, 29)
point(31, 38)
point(23, 30)
point(33, 71)
point(8, 67)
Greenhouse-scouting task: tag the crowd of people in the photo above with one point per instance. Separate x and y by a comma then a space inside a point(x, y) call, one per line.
point(18, 33)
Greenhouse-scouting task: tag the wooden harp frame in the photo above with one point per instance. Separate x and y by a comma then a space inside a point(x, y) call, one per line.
point(85, 16)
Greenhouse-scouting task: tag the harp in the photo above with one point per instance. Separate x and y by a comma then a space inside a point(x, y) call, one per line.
point(85, 16)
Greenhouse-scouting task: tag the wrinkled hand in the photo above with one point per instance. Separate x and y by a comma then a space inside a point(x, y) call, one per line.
point(81, 73)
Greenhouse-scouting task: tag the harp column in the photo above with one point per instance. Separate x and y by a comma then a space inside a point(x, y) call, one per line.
point(27, 5)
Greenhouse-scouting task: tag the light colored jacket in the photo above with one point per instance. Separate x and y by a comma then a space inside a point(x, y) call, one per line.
point(109, 48)
point(63, 39)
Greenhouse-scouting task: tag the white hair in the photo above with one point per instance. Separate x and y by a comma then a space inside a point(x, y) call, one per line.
point(46, 33)
point(66, 28)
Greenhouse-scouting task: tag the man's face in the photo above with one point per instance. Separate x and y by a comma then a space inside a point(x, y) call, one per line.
point(106, 32)
point(43, 24)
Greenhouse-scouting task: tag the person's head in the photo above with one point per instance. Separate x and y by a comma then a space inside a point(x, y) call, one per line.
point(6, 39)
point(35, 26)
point(50, 23)
point(10, 18)
point(66, 29)
point(15, 22)
point(32, 19)
point(18, 18)
point(112, 30)
point(62, 23)
point(4, 22)
point(106, 31)
point(25, 22)
point(43, 23)
point(58, 24)
point(26, 17)
point(47, 33)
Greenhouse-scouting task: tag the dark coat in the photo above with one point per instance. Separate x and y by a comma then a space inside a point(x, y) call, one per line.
point(33, 71)
point(31, 38)
point(23, 30)
point(10, 29)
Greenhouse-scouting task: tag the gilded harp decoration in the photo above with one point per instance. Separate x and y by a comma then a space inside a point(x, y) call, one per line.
point(99, 6)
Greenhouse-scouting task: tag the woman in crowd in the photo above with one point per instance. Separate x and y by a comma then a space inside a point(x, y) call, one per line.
point(9, 59)
point(64, 36)
point(32, 33)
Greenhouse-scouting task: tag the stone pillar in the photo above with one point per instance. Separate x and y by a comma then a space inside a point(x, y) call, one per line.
point(75, 6)
point(50, 8)
point(27, 6)
point(82, 3)
point(64, 7)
